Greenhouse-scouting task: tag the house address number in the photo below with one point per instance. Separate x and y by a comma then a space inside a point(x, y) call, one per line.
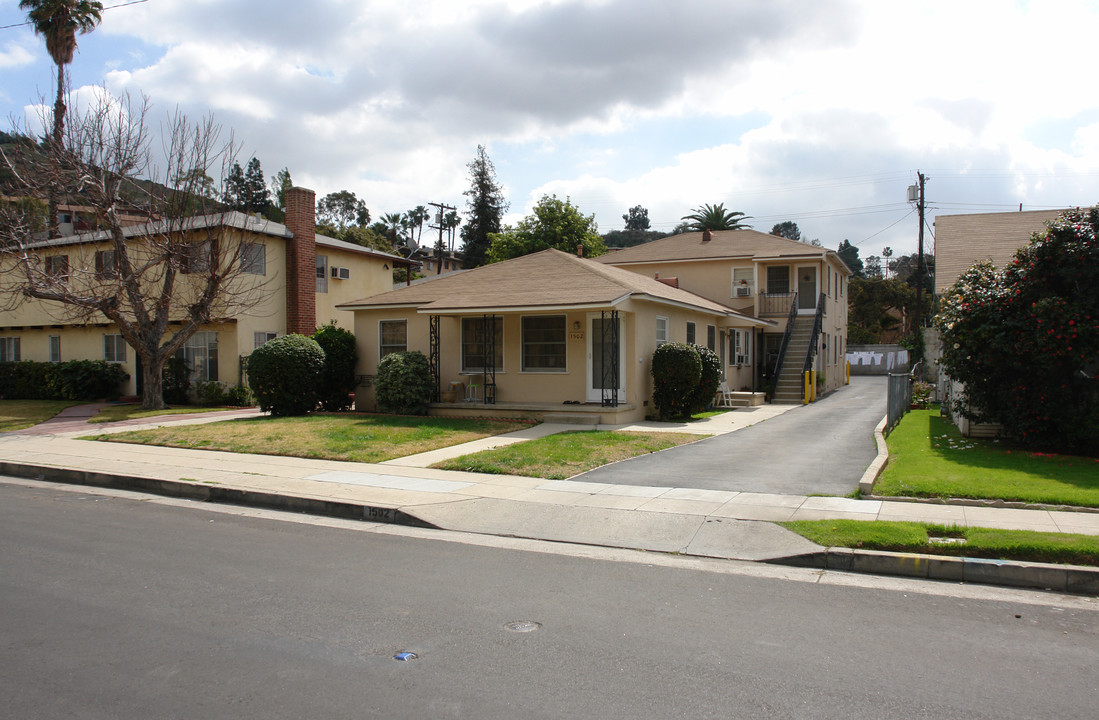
point(380, 514)
point(576, 335)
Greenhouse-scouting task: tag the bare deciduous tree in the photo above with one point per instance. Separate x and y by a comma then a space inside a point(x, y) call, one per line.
point(188, 265)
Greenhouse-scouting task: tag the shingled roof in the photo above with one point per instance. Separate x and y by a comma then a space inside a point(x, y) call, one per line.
point(724, 245)
point(547, 279)
point(961, 240)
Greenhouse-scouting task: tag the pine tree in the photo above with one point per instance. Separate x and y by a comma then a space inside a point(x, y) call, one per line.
point(257, 196)
point(486, 207)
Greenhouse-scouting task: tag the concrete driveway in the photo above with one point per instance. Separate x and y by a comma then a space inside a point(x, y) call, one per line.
point(822, 448)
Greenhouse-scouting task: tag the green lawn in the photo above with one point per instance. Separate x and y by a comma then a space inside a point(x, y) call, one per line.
point(561, 456)
point(350, 436)
point(114, 413)
point(19, 414)
point(979, 542)
point(928, 457)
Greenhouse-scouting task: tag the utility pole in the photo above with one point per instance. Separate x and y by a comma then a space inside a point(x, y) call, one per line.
point(919, 259)
point(440, 225)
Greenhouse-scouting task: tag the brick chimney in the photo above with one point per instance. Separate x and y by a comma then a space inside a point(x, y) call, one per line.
point(707, 236)
point(301, 261)
point(580, 250)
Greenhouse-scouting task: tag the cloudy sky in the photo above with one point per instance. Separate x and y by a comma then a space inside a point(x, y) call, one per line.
point(816, 111)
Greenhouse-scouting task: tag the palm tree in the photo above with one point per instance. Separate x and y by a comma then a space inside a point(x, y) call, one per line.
point(393, 225)
point(716, 217)
point(59, 21)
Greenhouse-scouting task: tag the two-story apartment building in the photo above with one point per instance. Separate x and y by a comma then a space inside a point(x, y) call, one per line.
point(800, 289)
point(292, 280)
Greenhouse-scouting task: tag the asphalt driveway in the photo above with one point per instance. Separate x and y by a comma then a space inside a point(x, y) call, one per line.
point(822, 449)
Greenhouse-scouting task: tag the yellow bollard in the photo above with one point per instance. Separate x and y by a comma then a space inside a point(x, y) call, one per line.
point(813, 387)
point(847, 373)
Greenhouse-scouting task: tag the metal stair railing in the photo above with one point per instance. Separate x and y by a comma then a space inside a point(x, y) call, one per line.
point(818, 322)
point(790, 317)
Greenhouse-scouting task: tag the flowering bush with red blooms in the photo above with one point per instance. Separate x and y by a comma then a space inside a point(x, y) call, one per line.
point(1025, 340)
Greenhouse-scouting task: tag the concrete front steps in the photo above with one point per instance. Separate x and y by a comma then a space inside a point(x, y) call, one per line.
point(790, 388)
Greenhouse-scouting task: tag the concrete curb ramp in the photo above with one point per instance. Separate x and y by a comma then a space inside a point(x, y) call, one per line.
point(691, 535)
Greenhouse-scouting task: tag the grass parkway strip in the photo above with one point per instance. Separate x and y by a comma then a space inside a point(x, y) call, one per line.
point(928, 457)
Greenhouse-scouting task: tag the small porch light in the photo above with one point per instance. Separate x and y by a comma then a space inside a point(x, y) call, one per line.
point(575, 324)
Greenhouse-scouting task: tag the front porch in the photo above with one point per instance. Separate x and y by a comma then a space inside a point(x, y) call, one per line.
point(583, 414)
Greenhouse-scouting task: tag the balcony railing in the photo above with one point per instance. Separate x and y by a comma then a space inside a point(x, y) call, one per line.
point(776, 304)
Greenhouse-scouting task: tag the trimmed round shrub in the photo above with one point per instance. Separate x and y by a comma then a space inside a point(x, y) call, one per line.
point(404, 383)
point(338, 377)
point(677, 369)
point(283, 374)
point(709, 380)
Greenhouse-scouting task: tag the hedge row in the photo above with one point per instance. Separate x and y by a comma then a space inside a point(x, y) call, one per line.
point(72, 380)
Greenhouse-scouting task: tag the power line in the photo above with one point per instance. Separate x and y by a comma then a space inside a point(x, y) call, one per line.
point(112, 7)
point(879, 232)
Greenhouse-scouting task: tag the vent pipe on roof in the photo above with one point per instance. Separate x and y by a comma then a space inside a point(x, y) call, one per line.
point(580, 250)
point(707, 236)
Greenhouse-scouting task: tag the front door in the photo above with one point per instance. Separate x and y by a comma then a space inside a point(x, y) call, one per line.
point(601, 355)
point(807, 289)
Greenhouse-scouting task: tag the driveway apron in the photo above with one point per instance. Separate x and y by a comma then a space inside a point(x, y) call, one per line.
point(822, 448)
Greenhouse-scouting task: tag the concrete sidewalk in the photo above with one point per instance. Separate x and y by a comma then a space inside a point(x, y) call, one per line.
point(710, 523)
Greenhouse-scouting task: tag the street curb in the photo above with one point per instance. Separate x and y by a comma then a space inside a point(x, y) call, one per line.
point(204, 492)
point(1076, 579)
point(866, 482)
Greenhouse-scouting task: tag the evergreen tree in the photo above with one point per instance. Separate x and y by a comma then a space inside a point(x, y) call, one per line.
point(235, 188)
point(486, 206)
point(787, 229)
point(850, 255)
point(257, 196)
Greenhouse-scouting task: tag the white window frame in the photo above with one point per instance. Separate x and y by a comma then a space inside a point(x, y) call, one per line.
point(789, 275)
point(661, 330)
point(9, 349)
point(114, 348)
point(253, 258)
point(525, 343)
point(55, 348)
point(322, 273)
point(743, 278)
point(262, 337)
point(692, 332)
point(197, 353)
point(740, 347)
point(711, 337)
point(389, 348)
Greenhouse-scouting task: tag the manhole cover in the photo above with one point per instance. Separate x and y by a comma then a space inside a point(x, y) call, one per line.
point(405, 656)
point(523, 626)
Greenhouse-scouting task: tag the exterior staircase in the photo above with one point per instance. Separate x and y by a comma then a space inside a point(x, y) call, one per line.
point(790, 387)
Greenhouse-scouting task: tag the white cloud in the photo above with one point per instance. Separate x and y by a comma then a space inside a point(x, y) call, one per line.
point(778, 108)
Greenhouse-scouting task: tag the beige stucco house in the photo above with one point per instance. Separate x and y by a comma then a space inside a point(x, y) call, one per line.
point(295, 281)
point(790, 284)
point(960, 242)
point(544, 335)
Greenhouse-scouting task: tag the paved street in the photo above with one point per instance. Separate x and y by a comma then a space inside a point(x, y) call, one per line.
point(822, 448)
point(114, 608)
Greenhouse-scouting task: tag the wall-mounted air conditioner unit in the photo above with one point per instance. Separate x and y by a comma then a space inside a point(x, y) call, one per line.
point(341, 273)
point(743, 291)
